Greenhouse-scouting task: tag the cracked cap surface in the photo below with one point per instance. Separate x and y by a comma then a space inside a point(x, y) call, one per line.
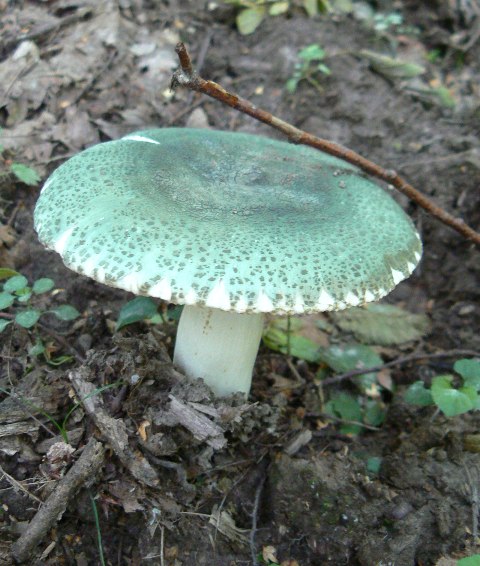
point(227, 220)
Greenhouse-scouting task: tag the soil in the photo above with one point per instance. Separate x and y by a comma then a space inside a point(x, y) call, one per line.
point(272, 480)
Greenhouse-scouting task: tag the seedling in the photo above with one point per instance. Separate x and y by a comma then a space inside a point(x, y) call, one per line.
point(253, 12)
point(453, 395)
point(19, 304)
point(309, 65)
point(22, 172)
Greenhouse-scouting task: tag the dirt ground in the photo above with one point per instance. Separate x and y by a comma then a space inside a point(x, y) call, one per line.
point(274, 480)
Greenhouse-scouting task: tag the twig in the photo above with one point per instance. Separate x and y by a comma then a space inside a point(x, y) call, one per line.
point(45, 29)
point(253, 530)
point(340, 420)
point(83, 470)
point(23, 404)
point(113, 430)
point(18, 485)
point(398, 362)
point(162, 544)
point(186, 77)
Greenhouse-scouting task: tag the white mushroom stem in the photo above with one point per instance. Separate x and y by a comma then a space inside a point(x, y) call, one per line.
point(218, 346)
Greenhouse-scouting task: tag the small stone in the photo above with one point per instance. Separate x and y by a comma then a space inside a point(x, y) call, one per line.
point(197, 119)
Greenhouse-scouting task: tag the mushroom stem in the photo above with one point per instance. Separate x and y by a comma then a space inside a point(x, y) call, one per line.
point(218, 346)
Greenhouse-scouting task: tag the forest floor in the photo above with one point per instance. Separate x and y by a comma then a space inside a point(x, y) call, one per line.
point(307, 472)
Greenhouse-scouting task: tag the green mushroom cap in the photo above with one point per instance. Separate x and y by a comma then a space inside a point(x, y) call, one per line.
point(226, 220)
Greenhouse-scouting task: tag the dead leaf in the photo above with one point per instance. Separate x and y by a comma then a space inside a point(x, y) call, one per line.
point(127, 495)
point(269, 554)
point(225, 523)
point(141, 430)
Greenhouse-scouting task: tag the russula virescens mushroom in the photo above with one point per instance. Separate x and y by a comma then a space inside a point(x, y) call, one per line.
point(232, 226)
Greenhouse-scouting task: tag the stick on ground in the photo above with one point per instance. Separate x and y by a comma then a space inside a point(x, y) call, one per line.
point(114, 431)
point(187, 77)
point(50, 512)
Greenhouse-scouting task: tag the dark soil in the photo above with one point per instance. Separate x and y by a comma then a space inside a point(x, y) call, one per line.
point(73, 74)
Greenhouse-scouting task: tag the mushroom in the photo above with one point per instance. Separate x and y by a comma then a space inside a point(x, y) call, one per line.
point(230, 225)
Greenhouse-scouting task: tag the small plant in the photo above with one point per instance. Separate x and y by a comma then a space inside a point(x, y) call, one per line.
point(452, 394)
point(20, 300)
point(253, 12)
point(382, 22)
point(309, 65)
point(22, 172)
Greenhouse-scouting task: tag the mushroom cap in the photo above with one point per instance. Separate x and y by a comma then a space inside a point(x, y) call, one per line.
point(226, 220)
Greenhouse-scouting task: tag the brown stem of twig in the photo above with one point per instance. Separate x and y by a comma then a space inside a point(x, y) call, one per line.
point(83, 471)
point(186, 77)
point(398, 362)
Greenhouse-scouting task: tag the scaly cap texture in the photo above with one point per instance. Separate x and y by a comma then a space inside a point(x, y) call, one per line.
point(227, 220)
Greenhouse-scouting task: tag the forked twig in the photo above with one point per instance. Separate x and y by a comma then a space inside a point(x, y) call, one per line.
point(186, 76)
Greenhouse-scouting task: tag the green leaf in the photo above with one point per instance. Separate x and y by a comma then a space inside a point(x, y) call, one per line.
point(374, 412)
point(346, 407)
point(65, 312)
point(248, 20)
point(385, 325)
point(353, 356)
point(470, 371)
point(278, 8)
point(373, 464)
point(418, 394)
point(28, 318)
point(135, 310)
point(324, 69)
point(6, 273)
point(469, 561)
point(311, 7)
point(15, 283)
point(173, 313)
point(26, 174)
point(24, 297)
point(291, 85)
point(312, 53)
point(392, 68)
point(4, 323)
point(324, 6)
point(303, 348)
point(43, 285)
point(36, 350)
point(443, 96)
point(6, 300)
point(343, 6)
point(452, 401)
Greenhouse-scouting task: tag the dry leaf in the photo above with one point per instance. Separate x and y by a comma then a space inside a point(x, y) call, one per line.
point(269, 554)
point(141, 430)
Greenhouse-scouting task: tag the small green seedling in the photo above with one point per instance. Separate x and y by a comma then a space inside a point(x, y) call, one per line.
point(309, 65)
point(19, 304)
point(22, 172)
point(355, 411)
point(451, 397)
point(253, 12)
